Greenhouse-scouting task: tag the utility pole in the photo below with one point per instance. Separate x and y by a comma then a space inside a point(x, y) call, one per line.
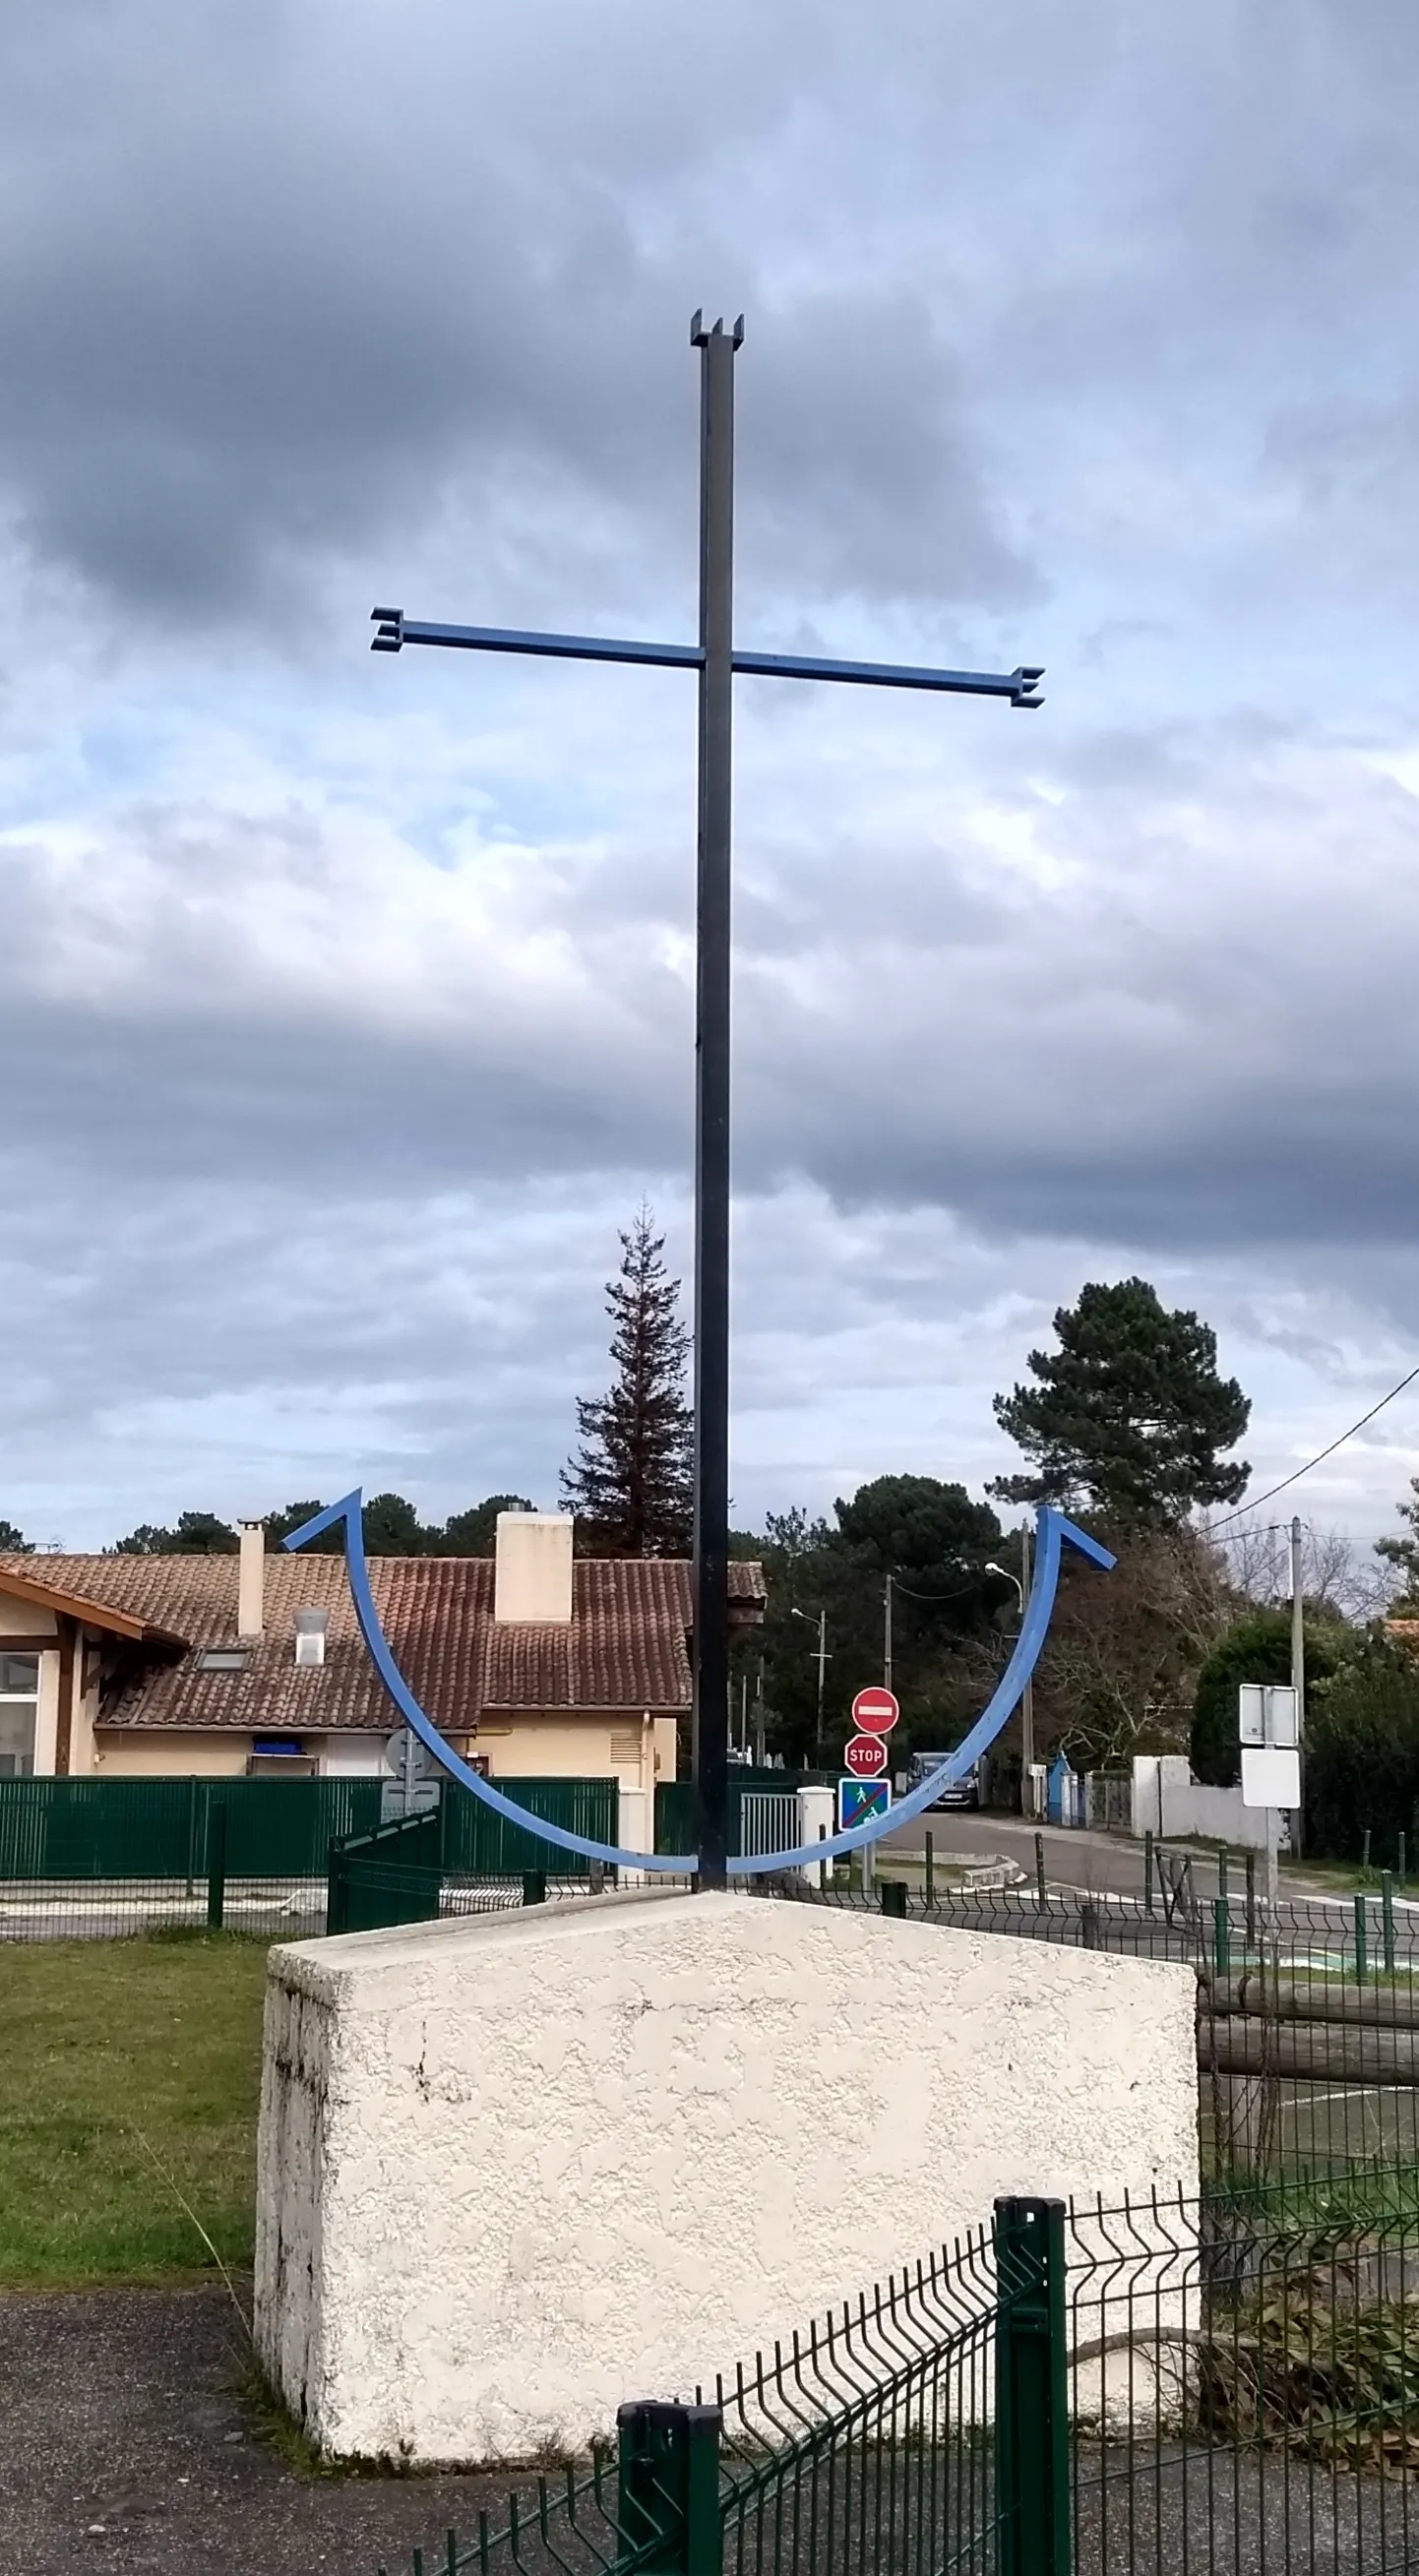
point(1027, 1696)
point(1298, 1678)
point(820, 1657)
point(715, 658)
point(887, 1634)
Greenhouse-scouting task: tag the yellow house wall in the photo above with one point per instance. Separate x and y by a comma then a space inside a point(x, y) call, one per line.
point(46, 1734)
point(24, 1618)
point(168, 1753)
point(556, 1746)
point(547, 1746)
point(81, 1732)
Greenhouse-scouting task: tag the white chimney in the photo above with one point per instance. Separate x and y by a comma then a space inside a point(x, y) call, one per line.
point(533, 1579)
point(310, 1638)
point(251, 1578)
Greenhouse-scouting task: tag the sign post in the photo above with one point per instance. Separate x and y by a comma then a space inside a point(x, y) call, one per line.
point(1268, 1723)
point(867, 1791)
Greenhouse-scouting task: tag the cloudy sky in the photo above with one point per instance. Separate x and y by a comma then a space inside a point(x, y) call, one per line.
point(345, 1002)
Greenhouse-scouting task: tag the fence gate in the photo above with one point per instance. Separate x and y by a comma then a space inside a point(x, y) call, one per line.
point(768, 1821)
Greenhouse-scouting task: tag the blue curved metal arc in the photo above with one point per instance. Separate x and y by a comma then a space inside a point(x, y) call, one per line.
point(348, 1510)
point(1052, 1529)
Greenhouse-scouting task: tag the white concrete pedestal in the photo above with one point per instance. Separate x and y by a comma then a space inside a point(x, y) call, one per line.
point(517, 2169)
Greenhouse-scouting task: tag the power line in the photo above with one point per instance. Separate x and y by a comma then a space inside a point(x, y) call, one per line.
point(1297, 1473)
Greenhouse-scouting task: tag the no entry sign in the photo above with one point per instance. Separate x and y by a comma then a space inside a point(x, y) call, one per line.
point(865, 1756)
point(875, 1711)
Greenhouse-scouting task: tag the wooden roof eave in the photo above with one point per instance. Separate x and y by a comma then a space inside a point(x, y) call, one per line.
point(90, 1614)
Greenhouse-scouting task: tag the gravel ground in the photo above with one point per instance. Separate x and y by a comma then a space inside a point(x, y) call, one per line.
point(125, 2451)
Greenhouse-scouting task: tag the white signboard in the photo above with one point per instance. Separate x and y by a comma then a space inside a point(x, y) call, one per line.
point(1281, 1719)
point(1267, 1714)
point(1271, 1776)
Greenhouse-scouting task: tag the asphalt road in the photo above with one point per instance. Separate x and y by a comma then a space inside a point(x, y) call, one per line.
point(1102, 1864)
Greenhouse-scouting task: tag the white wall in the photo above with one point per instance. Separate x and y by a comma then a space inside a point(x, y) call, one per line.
point(515, 2170)
point(349, 1757)
point(1167, 1800)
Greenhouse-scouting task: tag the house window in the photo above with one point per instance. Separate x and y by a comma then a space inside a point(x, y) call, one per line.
point(19, 1710)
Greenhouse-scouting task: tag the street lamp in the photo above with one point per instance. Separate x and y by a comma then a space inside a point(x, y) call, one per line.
point(821, 1659)
point(1027, 1695)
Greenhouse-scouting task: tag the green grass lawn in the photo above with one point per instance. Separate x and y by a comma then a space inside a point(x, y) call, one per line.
point(104, 2044)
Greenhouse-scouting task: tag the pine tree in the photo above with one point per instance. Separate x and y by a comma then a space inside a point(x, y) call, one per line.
point(1129, 1414)
point(1403, 1555)
point(630, 1481)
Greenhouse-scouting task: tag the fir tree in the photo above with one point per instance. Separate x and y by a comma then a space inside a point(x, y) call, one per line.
point(630, 1481)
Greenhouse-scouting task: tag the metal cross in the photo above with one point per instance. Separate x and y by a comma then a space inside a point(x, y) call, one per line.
point(716, 659)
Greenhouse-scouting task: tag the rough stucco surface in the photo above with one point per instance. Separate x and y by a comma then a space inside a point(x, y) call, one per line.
point(514, 2171)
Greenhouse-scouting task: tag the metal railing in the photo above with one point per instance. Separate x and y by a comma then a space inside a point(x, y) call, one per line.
point(1225, 2385)
point(768, 1821)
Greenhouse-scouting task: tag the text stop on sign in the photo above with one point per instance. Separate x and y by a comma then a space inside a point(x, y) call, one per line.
point(865, 1756)
point(875, 1711)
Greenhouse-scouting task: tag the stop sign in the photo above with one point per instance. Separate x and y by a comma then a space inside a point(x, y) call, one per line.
point(875, 1712)
point(866, 1757)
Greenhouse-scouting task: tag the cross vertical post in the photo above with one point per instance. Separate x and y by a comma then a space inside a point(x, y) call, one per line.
point(715, 660)
point(712, 1040)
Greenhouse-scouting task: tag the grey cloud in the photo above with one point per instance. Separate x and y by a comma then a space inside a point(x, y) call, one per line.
point(245, 332)
point(1159, 1048)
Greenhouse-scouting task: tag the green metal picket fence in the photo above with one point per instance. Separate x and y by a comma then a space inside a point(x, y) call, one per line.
point(478, 1843)
point(1225, 2386)
point(99, 1859)
point(55, 1830)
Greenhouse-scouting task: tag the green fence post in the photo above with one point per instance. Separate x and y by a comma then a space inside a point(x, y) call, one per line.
point(930, 1873)
point(1251, 1900)
point(1365, 1851)
point(894, 1897)
point(1387, 1917)
point(667, 2483)
point(1362, 1964)
point(191, 1835)
point(1402, 1858)
point(1148, 1872)
point(534, 1887)
point(1032, 2534)
point(1221, 1938)
point(1041, 1897)
point(1223, 1857)
point(216, 1866)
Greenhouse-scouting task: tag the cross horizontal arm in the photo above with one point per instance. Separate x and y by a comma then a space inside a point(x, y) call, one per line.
point(394, 630)
point(1018, 686)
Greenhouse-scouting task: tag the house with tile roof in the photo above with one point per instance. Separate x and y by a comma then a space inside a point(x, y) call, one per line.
point(534, 1662)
